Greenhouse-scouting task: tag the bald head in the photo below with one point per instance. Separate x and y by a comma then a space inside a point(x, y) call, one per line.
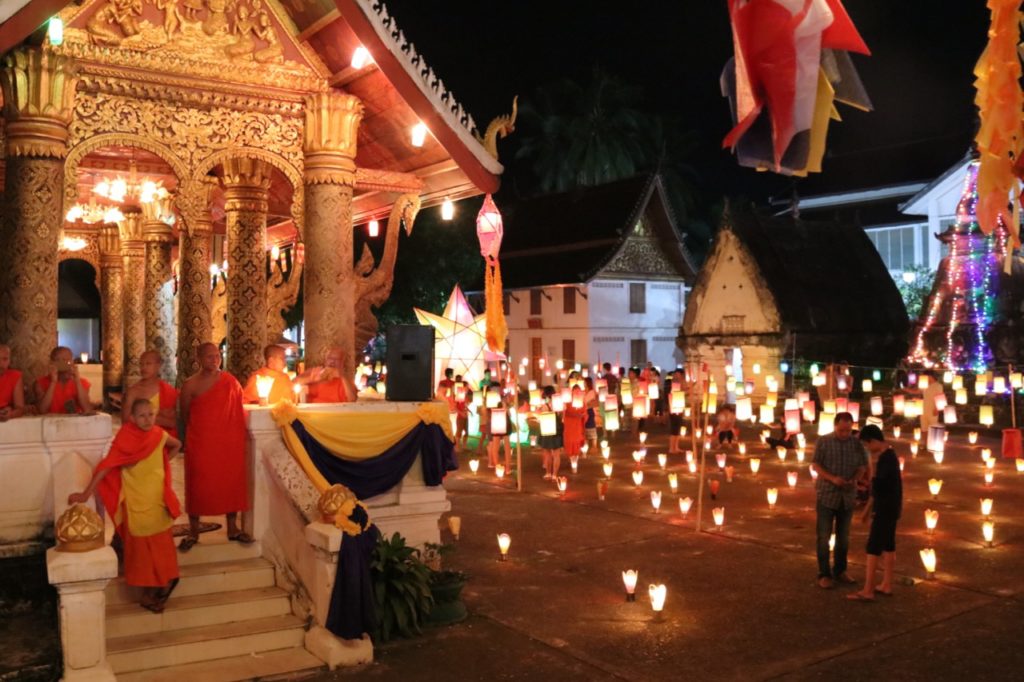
point(209, 356)
point(150, 363)
point(274, 357)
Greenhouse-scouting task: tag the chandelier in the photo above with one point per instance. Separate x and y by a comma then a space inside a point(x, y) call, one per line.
point(92, 213)
point(132, 188)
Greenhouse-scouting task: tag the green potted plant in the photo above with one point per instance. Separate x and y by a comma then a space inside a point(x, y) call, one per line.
point(445, 586)
point(401, 588)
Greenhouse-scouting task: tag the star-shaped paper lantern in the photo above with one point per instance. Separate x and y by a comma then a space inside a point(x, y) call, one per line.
point(460, 338)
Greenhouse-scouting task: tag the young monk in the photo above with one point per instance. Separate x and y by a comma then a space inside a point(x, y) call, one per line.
point(330, 383)
point(216, 481)
point(160, 394)
point(12, 390)
point(134, 482)
point(274, 364)
point(63, 391)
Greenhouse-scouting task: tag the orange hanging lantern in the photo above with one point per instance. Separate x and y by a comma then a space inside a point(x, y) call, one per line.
point(489, 230)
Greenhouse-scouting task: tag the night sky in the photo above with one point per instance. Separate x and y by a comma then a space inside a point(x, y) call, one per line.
point(919, 76)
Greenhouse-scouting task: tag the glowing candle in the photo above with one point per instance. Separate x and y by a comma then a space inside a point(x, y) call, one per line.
point(781, 452)
point(791, 477)
point(607, 467)
point(474, 465)
point(895, 432)
point(917, 433)
point(720, 460)
point(931, 519)
point(986, 506)
point(934, 486)
point(719, 515)
point(773, 497)
point(826, 424)
point(1020, 465)
point(988, 529)
point(656, 500)
point(913, 449)
point(638, 477)
point(563, 484)
point(949, 415)
point(643, 437)
point(729, 471)
point(455, 525)
point(684, 505)
point(629, 581)
point(755, 465)
point(657, 593)
point(938, 455)
point(574, 463)
point(814, 474)
point(662, 460)
point(673, 481)
point(800, 455)
point(504, 542)
point(903, 462)
point(867, 386)
point(692, 466)
point(743, 448)
point(263, 386)
point(876, 405)
point(639, 455)
point(985, 416)
point(499, 471)
point(989, 477)
point(743, 409)
point(767, 414)
point(689, 456)
point(986, 454)
point(929, 560)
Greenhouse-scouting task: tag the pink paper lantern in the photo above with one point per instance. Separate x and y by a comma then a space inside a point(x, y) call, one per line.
point(489, 229)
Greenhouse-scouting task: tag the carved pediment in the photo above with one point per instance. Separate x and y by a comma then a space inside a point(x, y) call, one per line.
point(244, 41)
point(641, 254)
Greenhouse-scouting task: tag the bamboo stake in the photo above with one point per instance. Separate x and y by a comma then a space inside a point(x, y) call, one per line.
point(1013, 400)
point(698, 407)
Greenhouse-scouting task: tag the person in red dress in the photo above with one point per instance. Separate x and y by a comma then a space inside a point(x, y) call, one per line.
point(330, 383)
point(12, 390)
point(574, 419)
point(63, 391)
point(216, 440)
point(134, 482)
point(161, 395)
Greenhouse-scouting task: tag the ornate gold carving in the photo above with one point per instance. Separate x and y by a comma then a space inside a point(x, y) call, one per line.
point(38, 95)
point(159, 299)
point(79, 529)
point(90, 254)
point(373, 285)
point(28, 266)
point(282, 294)
point(328, 292)
point(134, 253)
point(194, 316)
point(246, 181)
point(332, 124)
point(500, 127)
point(375, 180)
point(112, 313)
point(642, 255)
point(223, 40)
point(219, 312)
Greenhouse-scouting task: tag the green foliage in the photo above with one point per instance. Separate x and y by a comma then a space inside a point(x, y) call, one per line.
point(401, 588)
point(915, 293)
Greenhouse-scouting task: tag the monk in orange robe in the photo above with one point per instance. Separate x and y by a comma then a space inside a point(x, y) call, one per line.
point(216, 439)
point(330, 383)
point(12, 390)
point(281, 389)
point(63, 391)
point(160, 394)
point(134, 482)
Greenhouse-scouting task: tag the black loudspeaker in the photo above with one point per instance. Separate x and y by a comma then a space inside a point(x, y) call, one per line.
point(410, 362)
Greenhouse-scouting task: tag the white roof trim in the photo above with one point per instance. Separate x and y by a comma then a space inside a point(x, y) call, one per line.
point(429, 83)
point(918, 204)
point(859, 196)
point(8, 8)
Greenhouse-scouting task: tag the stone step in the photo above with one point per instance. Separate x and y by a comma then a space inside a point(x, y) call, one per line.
point(156, 650)
point(221, 576)
point(215, 552)
point(294, 663)
point(198, 610)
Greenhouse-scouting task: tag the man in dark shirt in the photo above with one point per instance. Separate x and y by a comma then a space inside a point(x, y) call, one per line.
point(840, 461)
point(886, 503)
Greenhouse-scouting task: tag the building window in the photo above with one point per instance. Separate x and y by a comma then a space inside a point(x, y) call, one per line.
point(535, 295)
point(896, 246)
point(732, 324)
point(637, 297)
point(569, 300)
point(536, 353)
point(569, 352)
point(638, 352)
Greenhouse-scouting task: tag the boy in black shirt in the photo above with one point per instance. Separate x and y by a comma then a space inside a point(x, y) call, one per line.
point(886, 502)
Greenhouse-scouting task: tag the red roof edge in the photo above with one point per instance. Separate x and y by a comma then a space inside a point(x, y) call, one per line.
point(352, 13)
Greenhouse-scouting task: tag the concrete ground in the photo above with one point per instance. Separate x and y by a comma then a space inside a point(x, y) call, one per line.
point(742, 602)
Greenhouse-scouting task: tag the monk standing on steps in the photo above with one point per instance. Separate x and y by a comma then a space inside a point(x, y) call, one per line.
point(134, 482)
point(216, 481)
point(160, 394)
point(273, 366)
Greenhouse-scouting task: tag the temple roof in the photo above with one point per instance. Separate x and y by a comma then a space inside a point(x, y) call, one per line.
point(398, 89)
point(569, 238)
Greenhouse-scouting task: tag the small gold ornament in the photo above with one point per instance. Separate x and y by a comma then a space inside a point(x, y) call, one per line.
point(79, 529)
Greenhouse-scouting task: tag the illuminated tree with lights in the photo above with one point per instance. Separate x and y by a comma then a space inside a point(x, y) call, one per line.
point(964, 300)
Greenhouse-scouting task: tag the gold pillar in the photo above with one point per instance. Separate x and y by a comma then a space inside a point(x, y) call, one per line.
point(194, 254)
point(38, 97)
point(246, 182)
point(111, 293)
point(133, 251)
point(159, 238)
point(332, 121)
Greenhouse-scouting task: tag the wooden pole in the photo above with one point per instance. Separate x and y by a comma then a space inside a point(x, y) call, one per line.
point(695, 411)
point(1013, 399)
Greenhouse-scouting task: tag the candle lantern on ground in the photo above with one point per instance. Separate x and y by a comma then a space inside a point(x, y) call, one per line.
point(657, 593)
point(931, 519)
point(499, 471)
point(656, 500)
point(791, 478)
point(988, 529)
point(673, 482)
point(986, 507)
point(684, 505)
point(773, 497)
point(755, 465)
point(474, 465)
point(638, 477)
point(718, 513)
point(504, 542)
point(629, 581)
point(985, 415)
point(934, 487)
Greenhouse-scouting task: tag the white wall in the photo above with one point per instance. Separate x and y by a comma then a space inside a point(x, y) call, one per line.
point(602, 326)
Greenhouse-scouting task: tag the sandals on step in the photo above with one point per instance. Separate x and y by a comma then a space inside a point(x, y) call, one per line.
point(165, 593)
point(242, 538)
point(187, 543)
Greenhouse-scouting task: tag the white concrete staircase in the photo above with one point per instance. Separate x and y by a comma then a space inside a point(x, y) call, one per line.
point(226, 621)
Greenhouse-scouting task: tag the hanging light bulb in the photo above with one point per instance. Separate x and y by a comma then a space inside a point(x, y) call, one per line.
point(373, 228)
point(419, 134)
point(275, 252)
point(361, 57)
point(447, 209)
point(55, 30)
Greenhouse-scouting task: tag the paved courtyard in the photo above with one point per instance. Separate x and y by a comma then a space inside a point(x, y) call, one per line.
point(742, 601)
